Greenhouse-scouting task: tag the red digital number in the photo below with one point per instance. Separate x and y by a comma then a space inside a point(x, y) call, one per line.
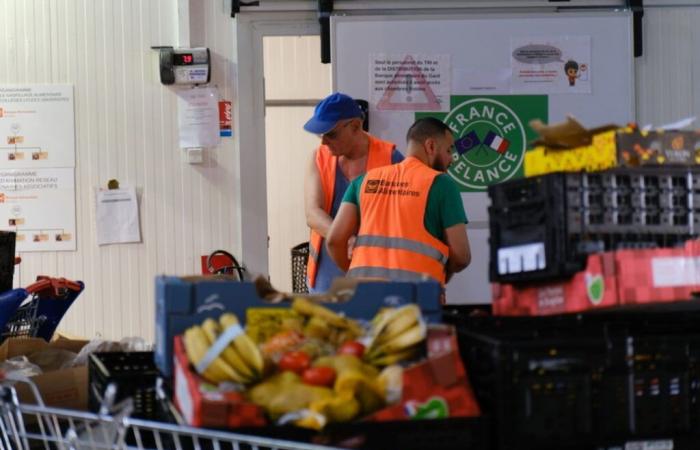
point(187, 59)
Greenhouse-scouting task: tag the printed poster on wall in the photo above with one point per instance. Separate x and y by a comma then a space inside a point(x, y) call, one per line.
point(551, 65)
point(39, 205)
point(491, 135)
point(37, 128)
point(409, 82)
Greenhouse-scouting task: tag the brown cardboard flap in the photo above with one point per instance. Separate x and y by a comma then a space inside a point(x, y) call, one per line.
point(24, 346)
point(567, 134)
point(65, 388)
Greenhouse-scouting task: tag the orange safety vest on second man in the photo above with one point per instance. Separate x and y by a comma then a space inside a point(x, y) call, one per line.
point(392, 242)
point(379, 155)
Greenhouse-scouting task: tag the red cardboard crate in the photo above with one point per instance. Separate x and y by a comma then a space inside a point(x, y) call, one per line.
point(202, 406)
point(658, 275)
point(437, 387)
point(593, 288)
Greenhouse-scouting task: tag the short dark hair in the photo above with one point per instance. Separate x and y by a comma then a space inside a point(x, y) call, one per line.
point(571, 64)
point(427, 127)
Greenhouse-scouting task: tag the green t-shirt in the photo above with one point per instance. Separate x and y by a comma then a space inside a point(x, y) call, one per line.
point(443, 210)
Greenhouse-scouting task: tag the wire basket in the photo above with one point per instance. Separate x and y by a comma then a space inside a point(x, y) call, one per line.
point(26, 321)
point(300, 256)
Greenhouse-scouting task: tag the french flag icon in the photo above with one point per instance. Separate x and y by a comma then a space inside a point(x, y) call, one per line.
point(496, 142)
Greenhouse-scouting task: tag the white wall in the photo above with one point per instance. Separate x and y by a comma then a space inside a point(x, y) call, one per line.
point(668, 73)
point(126, 129)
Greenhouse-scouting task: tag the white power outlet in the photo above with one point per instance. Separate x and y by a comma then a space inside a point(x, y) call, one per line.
point(194, 155)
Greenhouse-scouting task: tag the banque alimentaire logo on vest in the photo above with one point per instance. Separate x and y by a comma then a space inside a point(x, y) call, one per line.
point(490, 142)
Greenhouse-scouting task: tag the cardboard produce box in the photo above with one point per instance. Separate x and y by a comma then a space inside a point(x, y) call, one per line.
point(619, 278)
point(435, 387)
point(62, 388)
point(569, 147)
point(184, 301)
point(658, 275)
point(594, 287)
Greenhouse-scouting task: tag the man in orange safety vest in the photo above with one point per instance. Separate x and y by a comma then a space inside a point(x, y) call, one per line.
point(346, 151)
point(409, 217)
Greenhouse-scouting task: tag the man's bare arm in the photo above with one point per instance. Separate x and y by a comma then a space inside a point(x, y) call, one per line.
point(316, 217)
point(345, 226)
point(460, 253)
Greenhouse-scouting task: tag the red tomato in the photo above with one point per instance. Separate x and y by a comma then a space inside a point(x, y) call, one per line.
point(352, 348)
point(319, 376)
point(296, 362)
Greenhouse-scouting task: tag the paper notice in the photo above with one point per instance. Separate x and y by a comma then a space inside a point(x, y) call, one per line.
point(117, 217)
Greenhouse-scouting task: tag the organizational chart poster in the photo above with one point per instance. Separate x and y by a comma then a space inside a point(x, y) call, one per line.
point(37, 164)
point(39, 205)
point(37, 126)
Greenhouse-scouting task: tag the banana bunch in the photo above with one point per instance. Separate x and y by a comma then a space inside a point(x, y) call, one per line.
point(397, 334)
point(324, 324)
point(240, 361)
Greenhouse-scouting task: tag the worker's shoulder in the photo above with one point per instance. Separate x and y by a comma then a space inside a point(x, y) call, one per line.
point(444, 183)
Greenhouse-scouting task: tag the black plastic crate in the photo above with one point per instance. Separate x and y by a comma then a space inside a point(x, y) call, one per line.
point(133, 373)
point(534, 378)
point(543, 228)
point(7, 259)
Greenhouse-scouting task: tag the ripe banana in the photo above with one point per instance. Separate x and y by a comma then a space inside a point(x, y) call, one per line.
point(245, 347)
point(399, 321)
point(387, 359)
point(309, 308)
point(212, 329)
point(196, 346)
point(408, 338)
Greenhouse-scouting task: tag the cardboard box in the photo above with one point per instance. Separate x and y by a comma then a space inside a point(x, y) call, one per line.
point(624, 277)
point(183, 302)
point(434, 388)
point(202, 406)
point(658, 275)
point(64, 388)
point(658, 147)
point(569, 147)
point(593, 288)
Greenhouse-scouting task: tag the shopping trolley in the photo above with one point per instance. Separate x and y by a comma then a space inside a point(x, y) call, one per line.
point(28, 426)
point(36, 311)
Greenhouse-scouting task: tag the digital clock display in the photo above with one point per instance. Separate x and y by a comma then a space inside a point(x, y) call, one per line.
point(183, 59)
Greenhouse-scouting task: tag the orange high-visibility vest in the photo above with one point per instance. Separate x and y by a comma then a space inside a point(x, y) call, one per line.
point(392, 242)
point(379, 155)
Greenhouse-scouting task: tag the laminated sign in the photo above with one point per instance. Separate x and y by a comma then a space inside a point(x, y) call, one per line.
point(491, 136)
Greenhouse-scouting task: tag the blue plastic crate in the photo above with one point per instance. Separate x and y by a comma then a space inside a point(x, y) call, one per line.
point(183, 302)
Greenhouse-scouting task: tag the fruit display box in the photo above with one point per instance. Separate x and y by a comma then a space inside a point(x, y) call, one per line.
point(184, 301)
point(436, 387)
point(623, 277)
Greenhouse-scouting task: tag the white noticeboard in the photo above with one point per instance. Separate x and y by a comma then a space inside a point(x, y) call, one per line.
point(39, 204)
point(37, 163)
point(505, 69)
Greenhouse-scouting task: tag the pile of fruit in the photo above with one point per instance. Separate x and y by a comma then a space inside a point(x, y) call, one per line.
point(311, 366)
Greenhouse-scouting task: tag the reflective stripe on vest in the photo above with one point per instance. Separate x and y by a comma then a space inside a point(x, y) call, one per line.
point(401, 243)
point(379, 155)
point(388, 274)
point(392, 241)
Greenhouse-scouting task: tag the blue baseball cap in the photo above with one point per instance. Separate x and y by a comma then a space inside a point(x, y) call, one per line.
point(330, 110)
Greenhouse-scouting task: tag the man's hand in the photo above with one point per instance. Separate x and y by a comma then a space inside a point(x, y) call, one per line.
point(344, 228)
point(351, 245)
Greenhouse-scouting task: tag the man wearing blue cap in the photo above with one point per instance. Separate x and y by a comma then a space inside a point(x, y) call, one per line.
point(346, 151)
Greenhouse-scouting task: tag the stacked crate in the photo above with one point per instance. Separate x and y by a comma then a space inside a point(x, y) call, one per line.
point(543, 228)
